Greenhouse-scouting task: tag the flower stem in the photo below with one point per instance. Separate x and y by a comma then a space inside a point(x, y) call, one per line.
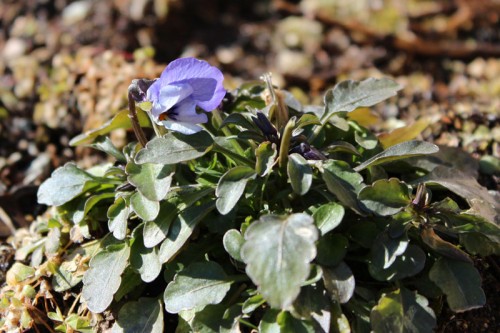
point(139, 133)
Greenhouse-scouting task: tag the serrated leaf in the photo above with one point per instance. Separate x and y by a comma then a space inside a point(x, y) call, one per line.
point(231, 186)
point(144, 315)
point(65, 184)
point(174, 148)
point(196, 286)
point(118, 214)
point(328, 216)
point(156, 231)
point(344, 182)
point(400, 151)
point(144, 260)
point(278, 252)
point(385, 197)
point(339, 281)
point(350, 95)
point(146, 209)
point(103, 278)
point(152, 180)
point(299, 173)
point(402, 311)
point(266, 155)
point(233, 241)
point(461, 283)
point(181, 229)
point(121, 120)
point(410, 263)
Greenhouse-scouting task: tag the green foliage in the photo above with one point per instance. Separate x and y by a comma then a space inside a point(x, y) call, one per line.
point(295, 222)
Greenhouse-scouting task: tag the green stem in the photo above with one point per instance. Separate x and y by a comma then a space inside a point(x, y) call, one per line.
point(285, 142)
point(234, 156)
point(218, 120)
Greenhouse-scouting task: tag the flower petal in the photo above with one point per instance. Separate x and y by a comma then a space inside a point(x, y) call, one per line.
point(205, 80)
point(184, 128)
point(186, 112)
point(168, 96)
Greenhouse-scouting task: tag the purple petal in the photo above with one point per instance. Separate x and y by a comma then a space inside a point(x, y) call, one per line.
point(205, 80)
point(184, 128)
point(186, 112)
point(167, 97)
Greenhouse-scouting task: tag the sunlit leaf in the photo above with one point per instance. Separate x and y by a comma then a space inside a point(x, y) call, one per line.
point(385, 197)
point(103, 277)
point(266, 155)
point(278, 251)
point(144, 260)
point(196, 286)
point(405, 133)
point(118, 217)
point(152, 180)
point(328, 216)
point(299, 174)
point(231, 186)
point(340, 282)
point(146, 209)
point(233, 241)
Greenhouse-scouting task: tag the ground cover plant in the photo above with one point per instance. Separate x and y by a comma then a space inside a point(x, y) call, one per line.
point(245, 210)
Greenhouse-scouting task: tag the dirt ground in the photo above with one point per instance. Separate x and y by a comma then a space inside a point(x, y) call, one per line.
point(65, 67)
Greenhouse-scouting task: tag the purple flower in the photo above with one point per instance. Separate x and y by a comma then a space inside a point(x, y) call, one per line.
point(185, 84)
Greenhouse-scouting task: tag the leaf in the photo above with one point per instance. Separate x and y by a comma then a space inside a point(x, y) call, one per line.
point(290, 324)
point(299, 174)
point(410, 263)
point(461, 283)
point(146, 209)
point(196, 286)
point(314, 304)
point(118, 218)
point(103, 277)
point(121, 120)
point(405, 133)
point(144, 315)
point(269, 324)
point(350, 95)
point(93, 200)
point(331, 249)
point(328, 216)
point(339, 281)
point(174, 148)
point(266, 155)
point(385, 249)
point(278, 252)
point(344, 182)
point(402, 311)
point(431, 239)
point(231, 186)
point(156, 231)
point(65, 184)
point(152, 180)
point(399, 151)
point(104, 144)
point(233, 241)
point(144, 260)
point(181, 229)
point(385, 197)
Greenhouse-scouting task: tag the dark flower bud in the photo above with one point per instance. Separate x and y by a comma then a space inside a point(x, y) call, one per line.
point(308, 152)
point(266, 127)
point(138, 89)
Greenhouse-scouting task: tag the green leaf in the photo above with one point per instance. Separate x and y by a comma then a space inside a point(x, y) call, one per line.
point(269, 323)
point(344, 182)
point(93, 200)
point(431, 239)
point(65, 184)
point(103, 277)
point(233, 241)
point(231, 186)
point(175, 148)
point(461, 283)
point(146, 209)
point(314, 303)
point(398, 152)
point(121, 120)
point(104, 144)
point(350, 95)
point(20, 273)
point(252, 303)
point(181, 229)
point(118, 218)
point(290, 324)
point(402, 311)
point(299, 174)
point(156, 231)
point(266, 155)
point(144, 260)
point(328, 216)
point(152, 180)
point(144, 315)
point(385, 249)
point(278, 252)
point(339, 281)
point(410, 263)
point(331, 249)
point(385, 197)
point(196, 286)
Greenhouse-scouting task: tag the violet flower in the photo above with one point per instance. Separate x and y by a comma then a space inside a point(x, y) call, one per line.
point(185, 84)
